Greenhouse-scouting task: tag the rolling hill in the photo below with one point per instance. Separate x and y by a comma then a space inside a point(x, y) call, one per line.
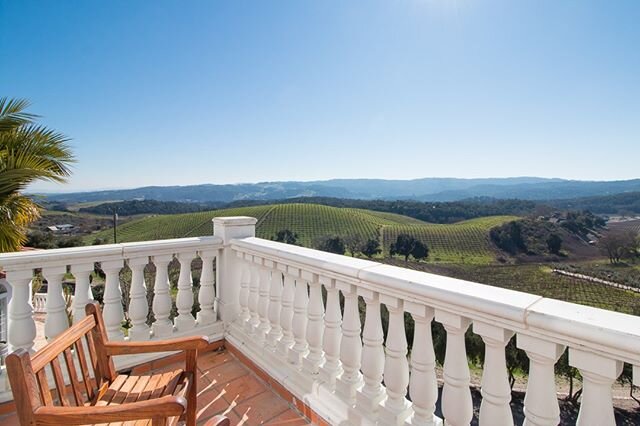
point(466, 241)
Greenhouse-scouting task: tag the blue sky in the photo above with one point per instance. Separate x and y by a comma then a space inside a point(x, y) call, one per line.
point(174, 93)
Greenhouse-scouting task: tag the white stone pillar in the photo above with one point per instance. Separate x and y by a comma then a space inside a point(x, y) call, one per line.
point(541, 400)
point(254, 296)
point(162, 326)
point(227, 268)
point(368, 398)
point(83, 294)
point(245, 279)
point(396, 408)
point(331, 368)
point(21, 327)
point(315, 325)
point(496, 392)
point(351, 346)
point(299, 325)
point(598, 374)
point(457, 407)
point(184, 300)
point(56, 320)
point(264, 272)
point(207, 292)
point(275, 305)
point(423, 385)
point(112, 311)
point(138, 303)
point(286, 314)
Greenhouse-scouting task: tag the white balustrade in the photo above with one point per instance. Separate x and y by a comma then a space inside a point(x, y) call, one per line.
point(207, 293)
point(396, 408)
point(541, 402)
point(423, 387)
point(372, 393)
point(598, 374)
point(138, 304)
point(315, 326)
point(184, 300)
point(332, 335)
point(264, 272)
point(82, 294)
point(286, 313)
point(39, 303)
point(351, 346)
point(457, 406)
point(21, 330)
point(112, 310)
point(254, 297)
point(56, 320)
point(245, 279)
point(496, 392)
point(299, 325)
point(162, 327)
point(275, 299)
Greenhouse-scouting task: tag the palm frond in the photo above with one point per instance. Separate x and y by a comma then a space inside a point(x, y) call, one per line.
point(16, 213)
point(12, 114)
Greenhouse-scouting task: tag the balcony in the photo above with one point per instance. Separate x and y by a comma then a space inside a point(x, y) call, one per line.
point(309, 325)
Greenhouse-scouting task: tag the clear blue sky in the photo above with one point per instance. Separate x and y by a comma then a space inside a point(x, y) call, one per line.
point(165, 93)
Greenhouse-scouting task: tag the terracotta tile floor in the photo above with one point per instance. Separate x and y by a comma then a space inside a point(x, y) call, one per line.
point(228, 387)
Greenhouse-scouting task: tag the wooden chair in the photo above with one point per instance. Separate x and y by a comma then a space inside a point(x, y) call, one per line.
point(97, 394)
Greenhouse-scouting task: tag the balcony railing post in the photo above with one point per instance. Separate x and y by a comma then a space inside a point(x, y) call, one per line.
point(113, 312)
point(227, 264)
point(207, 293)
point(541, 402)
point(138, 305)
point(162, 327)
point(184, 301)
point(332, 334)
point(351, 346)
point(83, 294)
point(56, 320)
point(21, 329)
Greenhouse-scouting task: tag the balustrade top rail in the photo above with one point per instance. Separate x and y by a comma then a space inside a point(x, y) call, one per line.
point(601, 331)
point(43, 258)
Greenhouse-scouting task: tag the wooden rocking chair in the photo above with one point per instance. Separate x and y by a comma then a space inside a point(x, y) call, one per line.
point(104, 397)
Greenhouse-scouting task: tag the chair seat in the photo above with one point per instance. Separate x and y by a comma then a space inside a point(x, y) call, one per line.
point(126, 389)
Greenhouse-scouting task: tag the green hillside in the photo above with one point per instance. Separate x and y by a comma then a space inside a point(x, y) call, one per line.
point(466, 241)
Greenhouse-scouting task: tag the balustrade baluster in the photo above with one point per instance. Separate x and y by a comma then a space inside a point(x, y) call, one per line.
point(299, 325)
point(138, 304)
point(457, 407)
point(350, 346)
point(263, 301)
point(245, 279)
point(331, 368)
point(598, 374)
point(368, 398)
point(423, 385)
point(83, 293)
point(496, 392)
point(207, 291)
point(254, 297)
point(162, 327)
point(112, 311)
point(21, 329)
point(541, 401)
point(184, 299)
point(315, 325)
point(275, 296)
point(286, 314)
point(396, 408)
point(56, 320)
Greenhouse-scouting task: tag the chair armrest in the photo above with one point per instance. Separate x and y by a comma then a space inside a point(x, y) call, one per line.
point(166, 406)
point(179, 344)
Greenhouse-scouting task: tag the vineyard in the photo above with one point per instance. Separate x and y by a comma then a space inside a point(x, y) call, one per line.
point(466, 241)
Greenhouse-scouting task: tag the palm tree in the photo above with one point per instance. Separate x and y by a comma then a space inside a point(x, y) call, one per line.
point(28, 152)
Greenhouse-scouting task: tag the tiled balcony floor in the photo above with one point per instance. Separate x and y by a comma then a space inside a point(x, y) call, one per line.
point(227, 386)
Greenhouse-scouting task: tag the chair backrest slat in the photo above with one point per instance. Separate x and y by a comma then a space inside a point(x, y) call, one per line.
point(76, 387)
point(84, 369)
point(43, 386)
point(59, 380)
point(54, 348)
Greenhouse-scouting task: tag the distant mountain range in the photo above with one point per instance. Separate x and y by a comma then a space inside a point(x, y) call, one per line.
point(426, 189)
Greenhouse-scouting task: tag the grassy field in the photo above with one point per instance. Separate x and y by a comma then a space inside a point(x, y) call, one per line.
point(466, 242)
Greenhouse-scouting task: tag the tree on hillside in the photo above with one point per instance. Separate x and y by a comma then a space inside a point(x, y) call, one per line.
point(509, 237)
point(28, 152)
point(353, 244)
point(406, 246)
point(371, 247)
point(331, 244)
point(286, 236)
point(554, 243)
point(617, 245)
